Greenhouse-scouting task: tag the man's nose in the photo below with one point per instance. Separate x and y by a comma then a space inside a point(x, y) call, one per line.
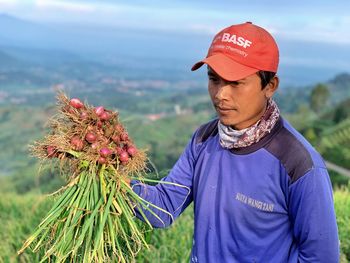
point(222, 90)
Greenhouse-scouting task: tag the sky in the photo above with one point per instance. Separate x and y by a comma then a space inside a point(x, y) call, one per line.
point(310, 33)
point(320, 21)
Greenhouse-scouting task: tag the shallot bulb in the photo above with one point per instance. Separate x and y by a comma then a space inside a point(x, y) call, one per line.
point(131, 150)
point(102, 160)
point(118, 150)
point(99, 110)
point(77, 143)
point(99, 124)
point(116, 139)
point(105, 116)
point(105, 152)
point(124, 136)
point(83, 115)
point(90, 137)
point(94, 145)
point(124, 157)
point(76, 103)
point(50, 150)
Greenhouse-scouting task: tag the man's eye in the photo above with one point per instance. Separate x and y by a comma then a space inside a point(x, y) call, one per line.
point(213, 79)
point(234, 83)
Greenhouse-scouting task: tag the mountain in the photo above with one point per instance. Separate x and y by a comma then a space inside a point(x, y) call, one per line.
point(9, 62)
point(8, 21)
point(167, 52)
point(102, 42)
point(18, 33)
point(6, 59)
point(34, 56)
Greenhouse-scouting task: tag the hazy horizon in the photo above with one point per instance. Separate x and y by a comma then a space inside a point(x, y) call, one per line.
point(314, 42)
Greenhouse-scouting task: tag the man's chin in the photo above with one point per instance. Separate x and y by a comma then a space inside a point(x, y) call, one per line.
point(227, 121)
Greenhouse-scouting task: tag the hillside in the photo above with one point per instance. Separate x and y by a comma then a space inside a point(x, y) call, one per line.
point(7, 61)
point(290, 99)
point(160, 116)
point(339, 87)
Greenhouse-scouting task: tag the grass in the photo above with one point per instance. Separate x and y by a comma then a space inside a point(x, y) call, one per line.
point(20, 214)
point(172, 244)
point(342, 209)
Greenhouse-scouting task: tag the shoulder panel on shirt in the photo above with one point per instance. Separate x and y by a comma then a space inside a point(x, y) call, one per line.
point(207, 130)
point(292, 154)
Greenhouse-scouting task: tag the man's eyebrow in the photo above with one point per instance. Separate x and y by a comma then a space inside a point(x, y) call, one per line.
point(234, 82)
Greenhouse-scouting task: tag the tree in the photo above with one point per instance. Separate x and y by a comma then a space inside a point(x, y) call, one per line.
point(342, 111)
point(319, 98)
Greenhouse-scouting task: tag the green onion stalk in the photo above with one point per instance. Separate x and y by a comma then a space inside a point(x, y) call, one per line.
point(93, 216)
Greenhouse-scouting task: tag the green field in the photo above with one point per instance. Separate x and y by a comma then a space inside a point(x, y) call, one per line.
point(23, 203)
point(20, 214)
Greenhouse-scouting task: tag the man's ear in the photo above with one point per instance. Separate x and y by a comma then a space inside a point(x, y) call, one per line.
point(271, 87)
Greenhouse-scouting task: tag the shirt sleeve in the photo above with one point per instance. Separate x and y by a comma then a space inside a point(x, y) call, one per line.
point(313, 217)
point(173, 194)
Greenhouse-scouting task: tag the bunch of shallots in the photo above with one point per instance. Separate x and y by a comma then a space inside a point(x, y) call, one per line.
point(93, 218)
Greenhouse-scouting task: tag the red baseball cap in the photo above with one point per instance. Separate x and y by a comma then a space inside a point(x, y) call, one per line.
point(241, 50)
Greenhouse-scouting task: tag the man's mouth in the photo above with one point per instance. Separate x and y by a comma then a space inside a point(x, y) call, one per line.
point(224, 109)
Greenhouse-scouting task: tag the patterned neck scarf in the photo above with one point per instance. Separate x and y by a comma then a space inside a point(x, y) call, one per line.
point(231, 138)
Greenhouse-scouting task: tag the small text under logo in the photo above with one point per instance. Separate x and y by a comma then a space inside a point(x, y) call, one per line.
point(254, 203)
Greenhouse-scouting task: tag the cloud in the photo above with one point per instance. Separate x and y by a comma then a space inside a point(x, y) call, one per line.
point(4, 4)
point(332, 30)
point(204, 29)
point(55, 5)
point(8, 2)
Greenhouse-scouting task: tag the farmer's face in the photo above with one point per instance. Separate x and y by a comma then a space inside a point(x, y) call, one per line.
point(241, 103)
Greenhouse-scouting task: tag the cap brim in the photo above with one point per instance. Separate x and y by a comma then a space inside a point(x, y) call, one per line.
point(226, 67)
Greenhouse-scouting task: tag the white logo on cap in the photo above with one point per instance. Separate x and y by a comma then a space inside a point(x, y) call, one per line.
point(239, 41)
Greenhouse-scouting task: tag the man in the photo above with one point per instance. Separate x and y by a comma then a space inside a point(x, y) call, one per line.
point(261, 193)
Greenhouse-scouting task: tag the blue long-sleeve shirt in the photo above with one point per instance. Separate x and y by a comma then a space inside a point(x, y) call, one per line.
point(268, 202)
